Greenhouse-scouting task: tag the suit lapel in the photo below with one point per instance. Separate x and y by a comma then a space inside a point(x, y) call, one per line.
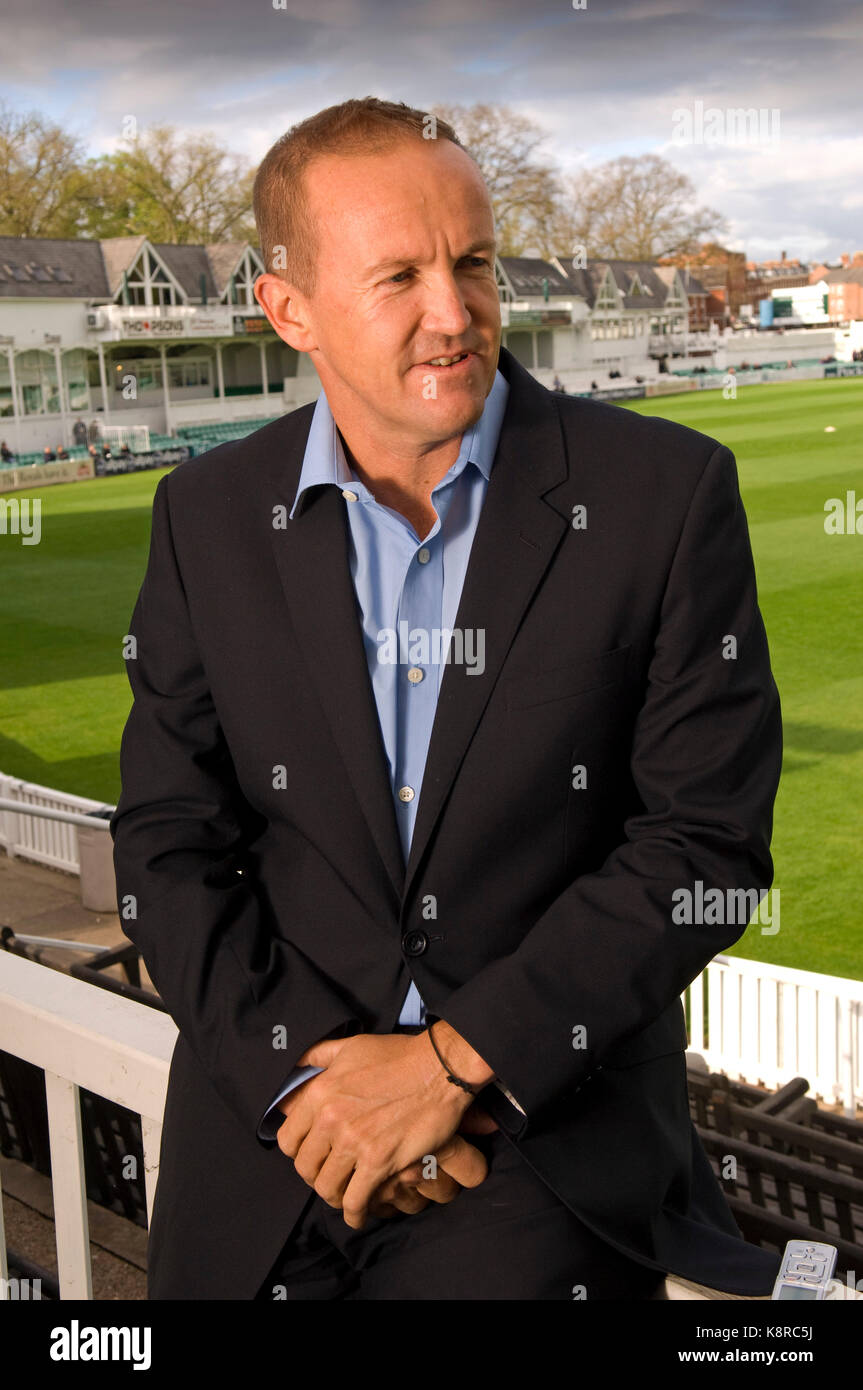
point(515, 540)
point(312, 558)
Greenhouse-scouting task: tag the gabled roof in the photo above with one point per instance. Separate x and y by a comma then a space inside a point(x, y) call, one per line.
point(526, 274)
point(120, 253)
point(51, 268)
point(687, 279)
point(187, 264)
point(622, 272)
point(692, 284)
point(599, 273)
point(224, 257)
point(74, 268)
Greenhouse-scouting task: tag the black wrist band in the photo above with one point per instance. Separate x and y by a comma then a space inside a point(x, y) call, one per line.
point(456, 1080)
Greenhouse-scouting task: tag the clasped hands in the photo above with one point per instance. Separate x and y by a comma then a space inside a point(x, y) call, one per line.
point(360, 1130)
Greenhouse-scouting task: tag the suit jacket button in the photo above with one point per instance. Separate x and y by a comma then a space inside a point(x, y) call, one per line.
point(415, 943)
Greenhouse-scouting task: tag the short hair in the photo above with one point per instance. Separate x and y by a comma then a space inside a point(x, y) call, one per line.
point(355, 127)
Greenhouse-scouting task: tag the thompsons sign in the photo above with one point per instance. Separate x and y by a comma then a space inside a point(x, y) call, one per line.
point(153, 328)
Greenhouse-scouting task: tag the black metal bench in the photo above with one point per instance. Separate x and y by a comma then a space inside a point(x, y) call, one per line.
point(799, 1168)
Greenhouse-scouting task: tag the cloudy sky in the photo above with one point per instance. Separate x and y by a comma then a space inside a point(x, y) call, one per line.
point(601, 81)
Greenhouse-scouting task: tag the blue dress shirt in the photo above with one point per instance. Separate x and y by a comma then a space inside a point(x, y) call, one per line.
point(404, 582)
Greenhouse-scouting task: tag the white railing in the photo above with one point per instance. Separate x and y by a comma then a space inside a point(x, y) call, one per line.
point(765, 1024)
point(43, 839)
point(83, 1036)
point(695, 340)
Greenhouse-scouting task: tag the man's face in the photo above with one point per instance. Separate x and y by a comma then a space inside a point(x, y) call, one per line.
point(405, 275)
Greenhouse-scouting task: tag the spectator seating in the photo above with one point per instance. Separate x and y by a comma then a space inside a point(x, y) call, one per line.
point(797, 1167)
point(203, 437)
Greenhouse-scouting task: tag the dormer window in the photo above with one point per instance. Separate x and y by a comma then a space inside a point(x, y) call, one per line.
point(607, 296)
point(240, 287)
point(148, 284)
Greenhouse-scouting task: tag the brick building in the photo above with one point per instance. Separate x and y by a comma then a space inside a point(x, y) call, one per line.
point(763, 277)
point(722, 275)
point(845, 293)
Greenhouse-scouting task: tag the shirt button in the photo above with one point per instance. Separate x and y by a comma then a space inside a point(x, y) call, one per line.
point(415, 675)
point(406, 793)
point(415, 943)
point(424, 555)
point(348, 495)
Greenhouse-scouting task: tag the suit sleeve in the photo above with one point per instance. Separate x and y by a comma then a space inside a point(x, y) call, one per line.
point(272, 1122)
point(246, 1000)
point(607, 955)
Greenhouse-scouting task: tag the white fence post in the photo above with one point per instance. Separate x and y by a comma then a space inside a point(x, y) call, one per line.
point(696, 1014)
point(71, 1227)
point(87, 1037)
point(8, 819)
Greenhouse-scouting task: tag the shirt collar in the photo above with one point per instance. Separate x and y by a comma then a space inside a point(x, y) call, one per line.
point(324, 459)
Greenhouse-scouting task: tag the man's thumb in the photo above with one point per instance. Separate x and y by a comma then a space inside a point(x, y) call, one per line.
point(322, 1054)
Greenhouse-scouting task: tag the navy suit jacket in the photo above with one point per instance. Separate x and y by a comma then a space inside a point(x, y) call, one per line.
point(611, 564)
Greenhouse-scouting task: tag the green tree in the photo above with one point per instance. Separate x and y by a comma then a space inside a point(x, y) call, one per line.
point(171, 188)
point(634, 208)
point(40, 177)
point(524, 190)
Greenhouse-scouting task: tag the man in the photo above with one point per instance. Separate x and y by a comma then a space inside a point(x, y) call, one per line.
point(434, 716)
